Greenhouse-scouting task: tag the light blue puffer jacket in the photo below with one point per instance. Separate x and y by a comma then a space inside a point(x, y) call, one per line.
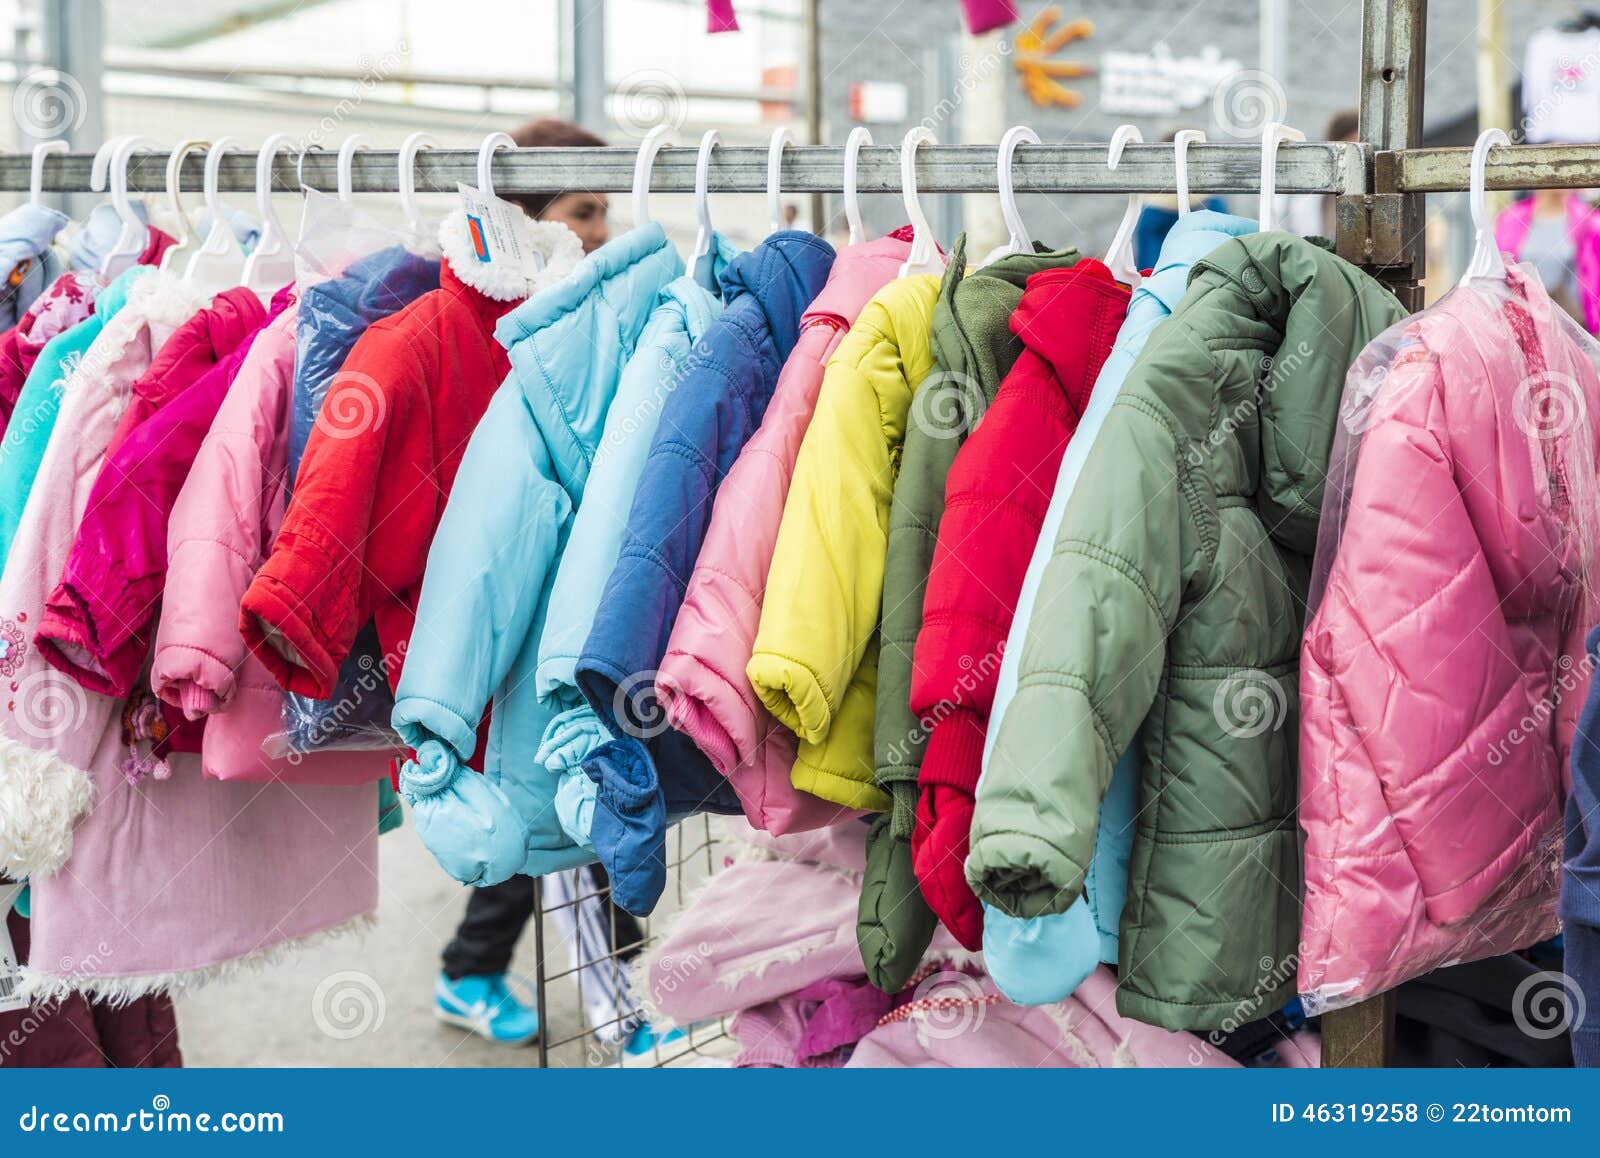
point(494, 560)
point(1043, 959)
point(684, 310)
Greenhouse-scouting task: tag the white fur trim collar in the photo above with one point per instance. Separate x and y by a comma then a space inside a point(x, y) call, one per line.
point(557, 244)
point(42, 798)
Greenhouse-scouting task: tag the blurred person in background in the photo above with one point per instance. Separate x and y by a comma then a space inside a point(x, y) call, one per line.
point(1557, 231)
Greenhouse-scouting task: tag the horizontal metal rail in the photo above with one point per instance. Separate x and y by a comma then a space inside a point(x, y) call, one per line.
point(1510, 167)
point(1321, 167)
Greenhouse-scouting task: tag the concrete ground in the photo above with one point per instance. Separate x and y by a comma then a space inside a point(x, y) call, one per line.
point(367, 1000)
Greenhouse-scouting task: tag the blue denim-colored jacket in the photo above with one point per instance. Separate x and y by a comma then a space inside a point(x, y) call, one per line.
point(647, 769)
point(494, 559)
point(1041, 960)
point(27, 263)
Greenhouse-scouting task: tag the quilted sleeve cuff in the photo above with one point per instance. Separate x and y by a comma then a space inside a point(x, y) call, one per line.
point(71, 639)
point(792, 693)
point(279, 626)
point(1017, 870)
point(192, 679)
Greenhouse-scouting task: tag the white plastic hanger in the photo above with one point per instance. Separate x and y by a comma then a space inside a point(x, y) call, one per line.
point(219, 262)
point(1017, 239)
point(135, 235)
point(409, 148)
point(36, 172)
point(345, 169)
point(852, 205)
point(702, 202)
point(1119, 258)
point(1272, 136)
point(492, 144)
point(780, 139)
point(924, 253)
point(187, 239)
point(1486, 260)
point(270, 265)
point(1180, 159)
point(648, 148)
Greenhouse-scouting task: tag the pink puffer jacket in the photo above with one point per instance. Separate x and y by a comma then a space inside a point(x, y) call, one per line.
point(1438, 681)
point(222, 526)
point(701, 682)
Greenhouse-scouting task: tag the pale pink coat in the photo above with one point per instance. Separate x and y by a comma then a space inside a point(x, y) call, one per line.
point(166, 884)
point(221, 530)
point(1442, 672)
point(701, 682)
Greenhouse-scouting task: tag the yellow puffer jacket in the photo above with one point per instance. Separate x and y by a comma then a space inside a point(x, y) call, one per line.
point(815, 664)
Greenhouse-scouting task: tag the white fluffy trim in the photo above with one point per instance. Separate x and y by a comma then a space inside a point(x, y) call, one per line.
point(42, 798)
point(501, 280)
point(39, 986)
point(166, 299)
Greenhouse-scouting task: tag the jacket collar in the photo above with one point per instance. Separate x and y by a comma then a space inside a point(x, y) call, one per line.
point(780, 277)
point(494, 282)
point(1069, 317)
point(858, 272)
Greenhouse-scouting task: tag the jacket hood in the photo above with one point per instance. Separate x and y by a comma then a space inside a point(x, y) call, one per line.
point(1062, 318)
point(554, 242)
point(568, 344)
point(781, 275)
point(965, 340)
point(27, 231)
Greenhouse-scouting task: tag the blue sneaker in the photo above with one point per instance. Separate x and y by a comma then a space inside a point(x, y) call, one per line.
point(486, 1007)
point(638, 1049)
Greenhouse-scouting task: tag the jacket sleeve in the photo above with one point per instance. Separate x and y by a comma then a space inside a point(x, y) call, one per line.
point(216, 537)
point(486, 573)
point(1091, 661)
point(826, 582)
point(355, 531)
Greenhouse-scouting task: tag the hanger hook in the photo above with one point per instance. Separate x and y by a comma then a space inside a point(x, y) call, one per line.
point(642, 164)
point(1119, 258)
point(1486, 259)
point(924, 257)
point(100, 171)
point(702, 198)
point(492, 144)
point(781, 139)
point(121, 157)
point(346, 166)
point(213, 196)
point(270, 148)
point(36, 173)
point(409, 148)
point(1018, 239)
point(852, 205)
point(300, 164)
point(175, 159)
point(1180, 160)
point(1272, 136)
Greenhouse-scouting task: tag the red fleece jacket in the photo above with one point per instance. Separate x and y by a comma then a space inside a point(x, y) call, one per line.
point(996, 497)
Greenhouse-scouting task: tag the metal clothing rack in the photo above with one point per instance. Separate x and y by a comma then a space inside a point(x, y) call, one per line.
point(1380, 183)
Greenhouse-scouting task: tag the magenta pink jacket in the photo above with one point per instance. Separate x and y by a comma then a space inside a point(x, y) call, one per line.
point(701, 682)
point(222, 525)
point(1440, 675)
point(1583, 228)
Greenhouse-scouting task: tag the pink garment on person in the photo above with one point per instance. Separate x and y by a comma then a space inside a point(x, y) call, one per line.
point(98, 621)
point(1436, 716)
point(1583, 230)
point(701, 683)
point(171, 883)
point(220, 532)
point(720, 16)
point(987, 15)
point(200, 343)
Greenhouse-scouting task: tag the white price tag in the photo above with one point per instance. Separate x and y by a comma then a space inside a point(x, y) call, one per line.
point(10, 972)
point(499, 231)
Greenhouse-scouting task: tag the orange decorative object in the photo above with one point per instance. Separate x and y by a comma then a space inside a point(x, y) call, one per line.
point(1042, 76)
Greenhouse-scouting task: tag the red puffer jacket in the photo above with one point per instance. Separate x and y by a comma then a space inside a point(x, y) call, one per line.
point(995, 501)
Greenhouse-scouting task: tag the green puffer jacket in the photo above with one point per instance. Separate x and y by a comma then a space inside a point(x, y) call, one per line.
point(1172, 607)
point(973, 349)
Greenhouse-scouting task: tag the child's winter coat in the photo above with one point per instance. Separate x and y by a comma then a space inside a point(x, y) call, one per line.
point(482, 607)
point(701, 685)
point(648, 769)
point(815, 659)
point(376, 473)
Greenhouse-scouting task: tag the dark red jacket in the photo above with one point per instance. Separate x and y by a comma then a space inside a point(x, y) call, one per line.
point(996, 497)
point(372, 486)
